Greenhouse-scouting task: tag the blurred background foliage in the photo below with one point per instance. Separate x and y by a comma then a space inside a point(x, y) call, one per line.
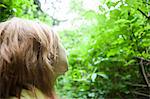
point(29, 9)
point(108, 52)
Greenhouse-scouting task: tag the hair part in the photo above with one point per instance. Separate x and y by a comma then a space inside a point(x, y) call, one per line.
point(28, 50)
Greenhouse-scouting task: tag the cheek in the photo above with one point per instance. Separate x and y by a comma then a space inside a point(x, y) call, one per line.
point(62, 64)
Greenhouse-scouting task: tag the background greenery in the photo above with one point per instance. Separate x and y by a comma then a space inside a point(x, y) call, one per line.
point(29, 9)
point(107, 52)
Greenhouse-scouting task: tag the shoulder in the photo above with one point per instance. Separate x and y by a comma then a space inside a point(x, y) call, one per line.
point(27, 94)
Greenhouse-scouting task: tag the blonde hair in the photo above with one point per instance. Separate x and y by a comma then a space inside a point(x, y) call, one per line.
point(28, 50)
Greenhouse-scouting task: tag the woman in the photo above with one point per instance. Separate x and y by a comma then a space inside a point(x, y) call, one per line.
point(31, 58)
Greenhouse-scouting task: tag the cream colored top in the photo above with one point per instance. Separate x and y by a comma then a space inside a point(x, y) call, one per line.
point(26, 94)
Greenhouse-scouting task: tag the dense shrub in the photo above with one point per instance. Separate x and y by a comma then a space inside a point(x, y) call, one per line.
point(102, 54)
point(29, 9)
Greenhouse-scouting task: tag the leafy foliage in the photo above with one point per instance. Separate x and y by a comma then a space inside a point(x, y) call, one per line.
point(102, 66)
point(22, 8)
point(102, 50)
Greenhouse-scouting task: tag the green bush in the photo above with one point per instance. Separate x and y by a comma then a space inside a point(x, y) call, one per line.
point(101, 55)
point(28, 9)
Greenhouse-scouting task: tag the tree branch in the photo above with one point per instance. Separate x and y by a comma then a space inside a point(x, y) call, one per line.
point(141, 94)
point(38, 3)
point(143, 13)
point(141, 58)
point(136, 85)
point(144, 74)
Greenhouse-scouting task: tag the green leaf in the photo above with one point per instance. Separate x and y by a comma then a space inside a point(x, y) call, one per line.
point(93, 77)
point(2, 5)
point(102, 75)
point(130, 62)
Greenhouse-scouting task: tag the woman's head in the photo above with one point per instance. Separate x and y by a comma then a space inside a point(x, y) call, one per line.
point(30, 56)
